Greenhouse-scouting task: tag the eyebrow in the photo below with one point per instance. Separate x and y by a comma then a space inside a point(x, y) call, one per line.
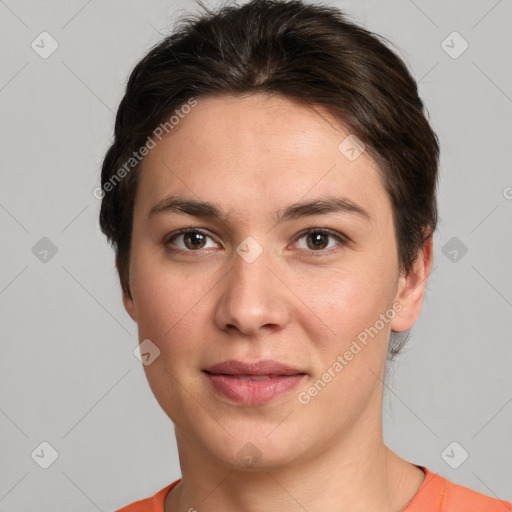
point(319, 206)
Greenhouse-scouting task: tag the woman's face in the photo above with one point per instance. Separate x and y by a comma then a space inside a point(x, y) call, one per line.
point(242, 286)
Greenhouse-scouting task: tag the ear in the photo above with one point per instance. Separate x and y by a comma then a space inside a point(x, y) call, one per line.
point(129, 305)
point(411, 288)
point(127, 297)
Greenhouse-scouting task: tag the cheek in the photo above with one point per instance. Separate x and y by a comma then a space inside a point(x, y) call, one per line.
point(159, 287)
point(167, 302)
point(350, 305)
point(348, 301)
point(170, 311)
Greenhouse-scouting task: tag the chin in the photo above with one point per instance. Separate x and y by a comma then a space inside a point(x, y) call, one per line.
point(256, 451)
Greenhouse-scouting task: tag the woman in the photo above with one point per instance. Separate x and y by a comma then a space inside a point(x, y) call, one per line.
point(271, 197)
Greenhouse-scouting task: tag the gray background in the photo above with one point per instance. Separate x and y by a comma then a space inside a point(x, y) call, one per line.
point(68, 375)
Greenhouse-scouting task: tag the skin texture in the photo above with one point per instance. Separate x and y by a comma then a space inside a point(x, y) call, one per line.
point(253, 155)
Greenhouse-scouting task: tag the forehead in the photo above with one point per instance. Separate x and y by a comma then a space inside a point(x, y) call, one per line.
point(256, 150)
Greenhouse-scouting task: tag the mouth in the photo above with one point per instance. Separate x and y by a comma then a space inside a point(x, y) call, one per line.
point(253, 383)
point(254, 377)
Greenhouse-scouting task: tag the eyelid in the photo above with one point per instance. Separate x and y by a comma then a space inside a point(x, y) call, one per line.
point(329, 231)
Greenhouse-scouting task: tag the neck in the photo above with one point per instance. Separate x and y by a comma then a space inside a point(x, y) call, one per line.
point(353, 471)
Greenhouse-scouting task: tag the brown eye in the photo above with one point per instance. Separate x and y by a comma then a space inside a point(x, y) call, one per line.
point(189, 240)
point(317, 240)
point(321, 240)
point(194, 240)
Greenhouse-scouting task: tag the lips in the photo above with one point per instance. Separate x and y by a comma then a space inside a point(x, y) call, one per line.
point(266, 367)
point(253, 383)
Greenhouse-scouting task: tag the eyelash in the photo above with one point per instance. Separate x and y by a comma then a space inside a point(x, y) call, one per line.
point(342, 239)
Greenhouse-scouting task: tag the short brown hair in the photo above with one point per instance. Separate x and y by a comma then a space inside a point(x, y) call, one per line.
point(307, 52)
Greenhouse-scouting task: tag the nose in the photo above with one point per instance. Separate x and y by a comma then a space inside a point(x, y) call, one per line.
point(252, 297)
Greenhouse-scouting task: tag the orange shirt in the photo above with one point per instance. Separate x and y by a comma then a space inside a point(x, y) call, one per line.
point(436, 494)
